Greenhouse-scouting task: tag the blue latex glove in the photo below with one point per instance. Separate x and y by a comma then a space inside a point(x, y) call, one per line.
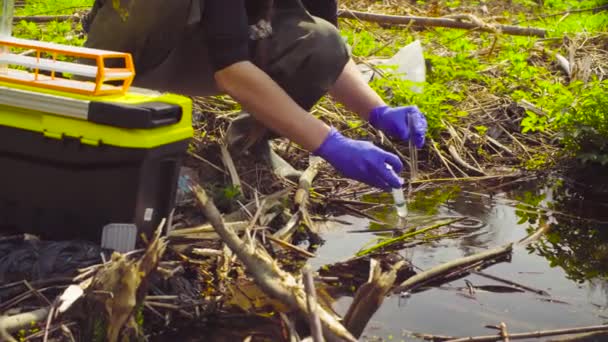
point(361, 160)
point(393, 121)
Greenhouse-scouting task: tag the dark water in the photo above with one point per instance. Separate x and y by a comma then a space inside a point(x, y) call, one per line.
point(570, 263)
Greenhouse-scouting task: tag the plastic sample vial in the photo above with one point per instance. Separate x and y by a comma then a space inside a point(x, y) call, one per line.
point(400, 203)
point(399, 199)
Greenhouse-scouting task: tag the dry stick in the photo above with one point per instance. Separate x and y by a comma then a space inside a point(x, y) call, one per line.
point(509, 282)
point(439, 22)
point(207, 228)
point(273, 280)
point(289, 227)
point(503, 332)
point(48, 324)
point(16, 322)
point(35, 292)
point(458, 159)
point(311, 301)
point(514, 139)
point(303, 193)
point(542, 230)
point(537, 334)
point(441, 158)
point(583, 337)
point(45, 18)
point(199, 158)
point(421, 278)
point(305, 181)
point(229, 164)
point(290, 246)
point(493, 141)
point(599, 8)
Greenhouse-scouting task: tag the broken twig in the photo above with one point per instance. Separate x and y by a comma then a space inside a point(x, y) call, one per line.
point(311, 301)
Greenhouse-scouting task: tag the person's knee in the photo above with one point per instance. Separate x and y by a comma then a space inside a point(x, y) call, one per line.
point(327, 50)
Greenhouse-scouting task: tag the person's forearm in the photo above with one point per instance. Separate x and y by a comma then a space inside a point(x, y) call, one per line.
point(271, 105)
point(354, 93)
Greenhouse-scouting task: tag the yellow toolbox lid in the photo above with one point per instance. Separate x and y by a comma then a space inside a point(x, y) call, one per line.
point(92, 111)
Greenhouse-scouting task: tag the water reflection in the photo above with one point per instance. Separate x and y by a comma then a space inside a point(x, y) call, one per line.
point(577, 245)
point(570, 262)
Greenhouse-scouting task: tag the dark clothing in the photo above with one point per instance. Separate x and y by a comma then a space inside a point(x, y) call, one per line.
point(226, 24)
point(177, 45)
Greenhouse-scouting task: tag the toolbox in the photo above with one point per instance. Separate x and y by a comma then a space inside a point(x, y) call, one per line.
point(80, 149)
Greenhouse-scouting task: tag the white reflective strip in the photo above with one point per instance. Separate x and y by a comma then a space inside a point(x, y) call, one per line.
point(47, 103)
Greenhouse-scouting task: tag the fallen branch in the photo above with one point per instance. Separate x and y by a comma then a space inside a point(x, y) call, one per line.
point(536, 334)
point(44, 18)
point(583, 337)
point(273, 280)
point(406, 236)
point(449, 267)
point(440, 22)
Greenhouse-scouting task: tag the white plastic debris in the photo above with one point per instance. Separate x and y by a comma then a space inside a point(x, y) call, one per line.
point(409, 63)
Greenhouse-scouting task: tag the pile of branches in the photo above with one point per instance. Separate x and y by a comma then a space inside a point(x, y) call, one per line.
point(229, 273)
point(247, 264)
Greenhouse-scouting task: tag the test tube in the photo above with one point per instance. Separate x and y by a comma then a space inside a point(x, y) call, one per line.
point(399, 199)
point(400, 203)
point(6, 27)
point(413, 151)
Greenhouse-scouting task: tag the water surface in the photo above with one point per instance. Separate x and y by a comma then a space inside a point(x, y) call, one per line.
point(570, 263)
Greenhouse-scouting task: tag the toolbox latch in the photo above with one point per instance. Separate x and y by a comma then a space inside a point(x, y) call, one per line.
point(141, 115)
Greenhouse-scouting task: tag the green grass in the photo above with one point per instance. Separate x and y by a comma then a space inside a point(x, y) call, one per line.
point(52, 7)
point(575, 111)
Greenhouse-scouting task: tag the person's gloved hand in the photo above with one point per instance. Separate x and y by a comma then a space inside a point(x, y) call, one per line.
point(361, 160)
point(393, 121)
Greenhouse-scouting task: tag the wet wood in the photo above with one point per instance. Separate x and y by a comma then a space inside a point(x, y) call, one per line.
point(389, 242)
point(510, 282)
point(450, 267)
point(369, 297)
point(536, 334)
